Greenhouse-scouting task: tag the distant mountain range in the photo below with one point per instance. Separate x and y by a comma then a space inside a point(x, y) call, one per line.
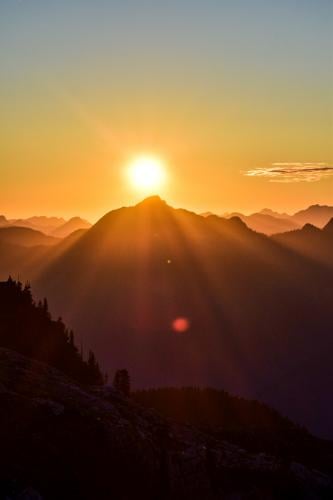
point(51, 226)
point(266, 221)
point(70, 227)
point(255, 312)
point(269, 222)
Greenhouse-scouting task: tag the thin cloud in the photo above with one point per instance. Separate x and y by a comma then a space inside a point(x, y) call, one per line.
point(292, 172)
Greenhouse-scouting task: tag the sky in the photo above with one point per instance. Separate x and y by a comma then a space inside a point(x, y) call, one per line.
point(234, 96)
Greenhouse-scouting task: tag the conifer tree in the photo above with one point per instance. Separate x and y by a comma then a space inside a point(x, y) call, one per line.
point(28, 328)
point(122, 382)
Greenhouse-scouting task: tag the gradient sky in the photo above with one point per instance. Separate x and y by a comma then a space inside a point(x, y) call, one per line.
point(222, 90)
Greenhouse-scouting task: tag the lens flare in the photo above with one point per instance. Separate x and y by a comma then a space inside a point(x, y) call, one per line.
point(181, 325)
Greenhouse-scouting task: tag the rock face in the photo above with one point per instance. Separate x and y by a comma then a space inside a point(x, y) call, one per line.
point(59, 440)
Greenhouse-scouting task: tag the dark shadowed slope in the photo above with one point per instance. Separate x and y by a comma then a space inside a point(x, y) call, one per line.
point(28, 262)
point(259, 314)
point(23, 251)
point(17, 260)
point(310, 241)
point(61, 441)
point(249, 424)
point(28, 328)
point(65, 441)
point(215, 410)
point(25, 237)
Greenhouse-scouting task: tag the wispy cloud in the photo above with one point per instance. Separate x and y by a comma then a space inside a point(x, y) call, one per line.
point(292, 172)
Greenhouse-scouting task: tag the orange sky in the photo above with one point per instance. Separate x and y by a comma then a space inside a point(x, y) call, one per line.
point(216, 91)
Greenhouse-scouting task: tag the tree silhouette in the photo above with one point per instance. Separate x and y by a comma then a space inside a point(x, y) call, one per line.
point(29, 329)
point(71, 338)
point(122, 382)
point(94, 372)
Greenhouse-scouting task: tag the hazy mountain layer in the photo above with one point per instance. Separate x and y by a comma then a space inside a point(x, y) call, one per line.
point(269, 222)
point(52, 226)
point(180, 299)
point(25, 237)
point(69, 227)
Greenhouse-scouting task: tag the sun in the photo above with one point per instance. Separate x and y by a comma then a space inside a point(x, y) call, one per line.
point(147, 173)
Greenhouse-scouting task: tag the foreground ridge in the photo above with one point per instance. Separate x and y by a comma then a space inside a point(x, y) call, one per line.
point(94, 443)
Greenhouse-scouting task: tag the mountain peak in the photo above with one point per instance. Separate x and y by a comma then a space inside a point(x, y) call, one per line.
point(154, 201)
point(238, 222)
point(78, 220)
point(310, 228)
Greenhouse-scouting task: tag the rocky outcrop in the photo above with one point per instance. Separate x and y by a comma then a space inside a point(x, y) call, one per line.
point(59, 440)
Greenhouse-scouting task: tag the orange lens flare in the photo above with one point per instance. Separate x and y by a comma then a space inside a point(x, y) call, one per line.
point(181, 325)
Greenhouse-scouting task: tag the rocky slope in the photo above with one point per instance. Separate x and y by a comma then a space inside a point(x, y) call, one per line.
point(59, 440)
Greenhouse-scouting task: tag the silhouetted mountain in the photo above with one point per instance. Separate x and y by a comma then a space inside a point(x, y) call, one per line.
point(214, 409)
point(311, 242)
point(268, 224)
point(28, 328)
point(39, 223)
point(25, 237)
point(71, 226)
point(249, 424)
point(60, 441)
point(28, 261)
point(259, 313)
point(18, 260)
point(56, 227)
point(180, 299)
point(318, 215)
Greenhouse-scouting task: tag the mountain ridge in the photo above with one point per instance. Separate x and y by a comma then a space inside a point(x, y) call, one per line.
point(70, 226)
point(26, 237)
point(269, 222)
point(257, 308)
point(139, 268)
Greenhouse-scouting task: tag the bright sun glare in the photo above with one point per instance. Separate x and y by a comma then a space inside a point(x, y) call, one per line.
point(147, 173)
